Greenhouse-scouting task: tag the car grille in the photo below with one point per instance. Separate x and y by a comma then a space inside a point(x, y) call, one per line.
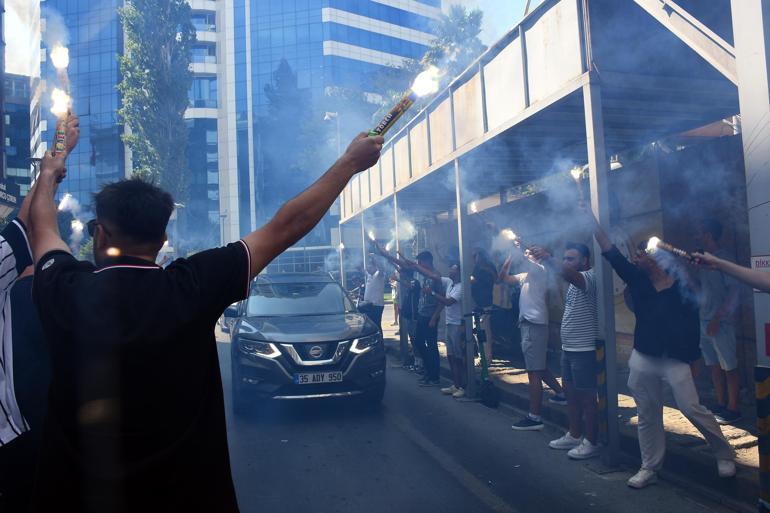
point(316, 354)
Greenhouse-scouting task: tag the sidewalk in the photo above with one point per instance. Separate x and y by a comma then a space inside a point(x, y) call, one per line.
point(688, 458)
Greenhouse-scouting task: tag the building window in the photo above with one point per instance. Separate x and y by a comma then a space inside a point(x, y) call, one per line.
point(203, 53)
point(204, 92)
point(204, 21)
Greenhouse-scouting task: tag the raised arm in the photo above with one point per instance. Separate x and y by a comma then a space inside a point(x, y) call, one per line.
point(40, 209)
point(44, 229)
point(567, 273)
point(298, 216)
point(760, 280)
point(504, 276)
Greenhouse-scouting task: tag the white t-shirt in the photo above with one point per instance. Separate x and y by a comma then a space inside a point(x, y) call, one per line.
point(454, 313)
point(534, 289)
point(374, 293)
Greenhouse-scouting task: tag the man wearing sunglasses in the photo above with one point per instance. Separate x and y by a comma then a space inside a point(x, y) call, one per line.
point(136, 419)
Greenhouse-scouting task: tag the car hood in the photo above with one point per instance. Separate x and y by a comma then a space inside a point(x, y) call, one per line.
point(310, 328)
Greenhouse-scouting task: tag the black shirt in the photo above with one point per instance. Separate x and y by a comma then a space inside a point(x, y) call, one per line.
point(483, 285)
point(667, 322)
point(136, 411)
point(409, 299)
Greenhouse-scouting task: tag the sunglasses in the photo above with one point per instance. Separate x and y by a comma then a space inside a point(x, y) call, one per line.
point(91, 226)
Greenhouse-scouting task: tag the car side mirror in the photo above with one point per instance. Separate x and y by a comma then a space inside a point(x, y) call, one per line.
point(231, 312)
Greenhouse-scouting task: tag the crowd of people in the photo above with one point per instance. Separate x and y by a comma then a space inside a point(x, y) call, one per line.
point(684, 315)
point(111, 397)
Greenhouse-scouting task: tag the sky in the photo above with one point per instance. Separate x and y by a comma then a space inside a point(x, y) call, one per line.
point(499, 15)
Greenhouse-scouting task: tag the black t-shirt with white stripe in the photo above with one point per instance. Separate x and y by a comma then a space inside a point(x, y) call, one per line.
point(136, 418)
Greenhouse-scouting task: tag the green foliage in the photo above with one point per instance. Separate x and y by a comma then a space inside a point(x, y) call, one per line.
point(278, 139)
point(86, 252)
point(156, 78)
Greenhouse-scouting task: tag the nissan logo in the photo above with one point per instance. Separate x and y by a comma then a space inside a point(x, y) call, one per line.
point(316, 352)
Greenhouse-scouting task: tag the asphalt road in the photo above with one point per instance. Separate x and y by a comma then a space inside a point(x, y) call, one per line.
point(420, 452)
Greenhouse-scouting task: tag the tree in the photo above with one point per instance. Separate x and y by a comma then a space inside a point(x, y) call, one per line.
point(456, 46)
point(156, 78)
point(279, 139)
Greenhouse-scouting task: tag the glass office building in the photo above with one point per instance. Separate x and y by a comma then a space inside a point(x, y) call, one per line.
point(17, 132)
point(95, 41)
point(327, 43)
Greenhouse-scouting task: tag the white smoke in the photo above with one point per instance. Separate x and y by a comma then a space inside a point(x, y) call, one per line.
point(70, 203)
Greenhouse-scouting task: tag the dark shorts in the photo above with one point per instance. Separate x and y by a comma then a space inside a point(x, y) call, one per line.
point(579, 369)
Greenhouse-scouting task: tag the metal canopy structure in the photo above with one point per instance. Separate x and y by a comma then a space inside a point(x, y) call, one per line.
point(573, 83)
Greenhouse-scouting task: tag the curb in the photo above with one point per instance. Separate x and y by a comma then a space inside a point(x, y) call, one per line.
point(692, 470)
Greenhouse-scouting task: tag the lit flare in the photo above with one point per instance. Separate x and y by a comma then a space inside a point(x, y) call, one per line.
point(60, 57)
point(655, 244)
point(425, 84)
point(61, 103)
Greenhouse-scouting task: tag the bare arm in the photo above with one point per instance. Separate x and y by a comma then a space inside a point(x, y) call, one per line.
point(567, 273)
point(44, 229)
point(298, 216)
point(758, 279)
point(505, 269)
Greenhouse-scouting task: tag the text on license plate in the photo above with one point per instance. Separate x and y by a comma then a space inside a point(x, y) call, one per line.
point(312, 378)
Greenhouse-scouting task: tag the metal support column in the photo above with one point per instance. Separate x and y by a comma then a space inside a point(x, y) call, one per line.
point(598, 164)
point(396, 233)
point(751, 27)
point(467, 266)
point(363, 241)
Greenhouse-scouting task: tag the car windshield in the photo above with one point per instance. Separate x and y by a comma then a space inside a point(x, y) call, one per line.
point(314, 298)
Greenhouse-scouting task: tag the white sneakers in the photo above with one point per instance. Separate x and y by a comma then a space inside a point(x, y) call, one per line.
point(726, 468)
point(457, 393)
point(584, 451)
point(564, 443)
point(642, 479)
point(646, 477)
point(578, 448)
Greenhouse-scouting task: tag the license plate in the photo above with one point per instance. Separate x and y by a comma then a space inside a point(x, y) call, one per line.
point(313, 378)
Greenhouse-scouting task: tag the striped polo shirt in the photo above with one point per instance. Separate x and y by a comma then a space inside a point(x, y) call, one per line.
point(15, 256)
point(580, 323)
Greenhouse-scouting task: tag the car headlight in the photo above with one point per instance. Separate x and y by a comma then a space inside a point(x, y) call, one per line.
point(261, 349)
point(363, 344)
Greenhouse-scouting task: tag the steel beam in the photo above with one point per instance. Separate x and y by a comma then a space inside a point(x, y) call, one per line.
point(599, 168)
point(702, 40)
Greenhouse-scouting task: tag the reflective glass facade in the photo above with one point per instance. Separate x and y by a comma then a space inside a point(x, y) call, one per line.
point(326, 43)
point(202, 207)
point(95, 40)
point(16, 124)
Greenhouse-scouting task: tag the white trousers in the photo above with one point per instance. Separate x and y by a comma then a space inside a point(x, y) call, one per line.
point(646, 383)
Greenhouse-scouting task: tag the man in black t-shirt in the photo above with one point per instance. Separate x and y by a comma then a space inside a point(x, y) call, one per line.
point(136, 416)
point(483, 281)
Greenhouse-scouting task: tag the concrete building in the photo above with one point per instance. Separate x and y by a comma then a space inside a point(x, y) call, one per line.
point(643, 96)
